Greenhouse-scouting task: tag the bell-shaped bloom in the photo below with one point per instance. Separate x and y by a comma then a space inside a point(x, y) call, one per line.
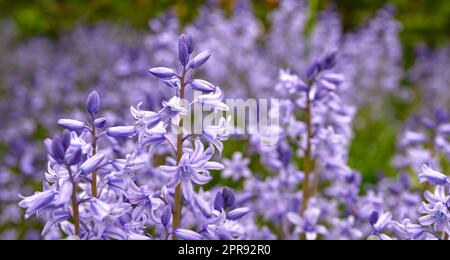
point(183, 50)
point(202, 85)
point(200, 59)
point(437, 215)
point(100, 122)
point(71, 125)
point(93, 103)
point(56, 217)
point(213, 100)
point(216, 134)
point(121, 131)
point(92, 163)
point(379, 222)
point(432, 176)
point(237, 213)
point(148, 119)
point(99, 209)
point(308, 224)
point(166, 217)
point(186, 234)
point(74, 156)
point(237, 167)
point(58, 146)
point(163, 73)
point(64, 193)
point(37, 203)
point(193, 167)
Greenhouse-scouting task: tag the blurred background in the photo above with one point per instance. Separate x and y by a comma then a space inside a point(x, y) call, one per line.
point(52, 53)
point(423, 21)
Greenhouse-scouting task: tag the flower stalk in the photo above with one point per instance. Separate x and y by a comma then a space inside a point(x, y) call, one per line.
point(178, 191)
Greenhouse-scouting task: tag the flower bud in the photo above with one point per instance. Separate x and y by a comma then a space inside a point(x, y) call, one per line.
point(93, 103)
point(163, 73)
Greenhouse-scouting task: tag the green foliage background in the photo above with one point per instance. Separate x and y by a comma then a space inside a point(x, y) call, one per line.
point(423, 20)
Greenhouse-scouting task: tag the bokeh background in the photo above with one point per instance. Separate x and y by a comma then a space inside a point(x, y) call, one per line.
point(52, 53)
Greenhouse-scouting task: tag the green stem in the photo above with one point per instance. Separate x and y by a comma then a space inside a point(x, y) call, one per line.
point(307, 162)
point(178, 191)
point(94, 173)
point(75, 211)
point(316, 179)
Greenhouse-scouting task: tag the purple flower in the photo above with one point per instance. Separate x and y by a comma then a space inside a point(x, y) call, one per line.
point(121, 131)
point(200, 59)
point(379, 222)
point(37, 203)
point(237, 168)
point(202, 85)
point(93, 103)
point(186, 234)
point(308, 224)
point(92, 163)
point(100, 122)
point(238, 213)
point(193, 167)
point(437, 215)
point(163, 73)
point(56, 217)
point(432, 176)
point(183, 50)
point(213, 100)
point(58, 146)
point(74, 156)
point(166, 217)
point(72, 125)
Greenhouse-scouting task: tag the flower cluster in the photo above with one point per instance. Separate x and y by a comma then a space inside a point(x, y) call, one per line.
point(90, 189)
point(149, 172)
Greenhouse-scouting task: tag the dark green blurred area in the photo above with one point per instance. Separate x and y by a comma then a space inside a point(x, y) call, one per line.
point(425, 21)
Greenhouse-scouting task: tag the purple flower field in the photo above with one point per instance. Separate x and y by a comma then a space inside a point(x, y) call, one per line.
point(224, 129)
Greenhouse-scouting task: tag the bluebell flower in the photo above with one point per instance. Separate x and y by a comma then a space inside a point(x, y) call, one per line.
point(166, 217)
point(237, 167)
point(72, 125)
point(432, 176)
point(437, 210)
point(437, 215)
point(308, 224)
point(193, 167)
point(98, 209)
point(121, 131)
point(410, 230)
point(202, 85)
point(186, 234)
point(56, 217)
point(238, 213)
point(92, 163)
point(183, 50)
point(38, 202)
point(213, 100)
point(74, 156)
point(163, 73)
point(93, 104)
point(200, 59)
point(100, 122)
point(217, 134)
point(379, 222)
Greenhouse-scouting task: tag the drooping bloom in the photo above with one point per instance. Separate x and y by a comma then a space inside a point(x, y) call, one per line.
point(193, 167)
